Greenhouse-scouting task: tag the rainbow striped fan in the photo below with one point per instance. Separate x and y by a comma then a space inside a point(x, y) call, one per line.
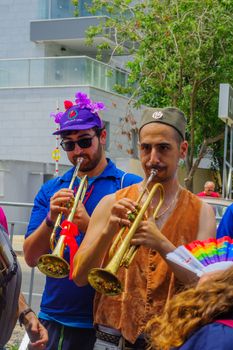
point(204, 256)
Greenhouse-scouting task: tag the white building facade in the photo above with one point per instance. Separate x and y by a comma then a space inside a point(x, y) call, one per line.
point(44, 61)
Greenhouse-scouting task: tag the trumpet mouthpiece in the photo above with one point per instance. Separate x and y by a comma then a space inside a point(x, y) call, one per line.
point(79, 160)
point(154, 172)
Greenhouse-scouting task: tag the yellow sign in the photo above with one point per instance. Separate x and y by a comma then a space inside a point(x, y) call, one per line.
point(56, 154)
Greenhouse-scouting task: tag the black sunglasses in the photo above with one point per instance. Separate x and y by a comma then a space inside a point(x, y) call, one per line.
point(82, 143)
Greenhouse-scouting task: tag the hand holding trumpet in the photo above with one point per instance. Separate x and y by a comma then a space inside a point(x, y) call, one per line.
point(61, 201)
point(147, 233)
point(119, 214)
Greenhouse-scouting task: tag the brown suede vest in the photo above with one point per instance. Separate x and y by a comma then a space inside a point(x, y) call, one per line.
point(148, 282)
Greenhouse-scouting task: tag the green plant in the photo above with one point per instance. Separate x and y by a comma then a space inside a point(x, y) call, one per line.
point(181, 51)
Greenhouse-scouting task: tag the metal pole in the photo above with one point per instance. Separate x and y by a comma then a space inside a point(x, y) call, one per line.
point(224, 176)
point(231, 160)
point(31, 286)
point(12, 227)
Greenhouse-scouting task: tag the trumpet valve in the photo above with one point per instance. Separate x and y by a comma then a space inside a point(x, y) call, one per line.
point(70, 203)
point(133, 214)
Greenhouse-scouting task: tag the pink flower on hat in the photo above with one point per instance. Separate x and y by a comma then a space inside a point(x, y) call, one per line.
point(56, 116)
point(82, 101)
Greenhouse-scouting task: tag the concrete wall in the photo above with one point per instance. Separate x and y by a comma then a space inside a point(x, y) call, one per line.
point(15, 30)
point(26, 141)
point(26, 126)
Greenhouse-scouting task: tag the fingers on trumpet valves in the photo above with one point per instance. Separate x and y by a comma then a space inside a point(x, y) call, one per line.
point(124, 205)
point(62, 199)
point(123, 222)
point(120, 221)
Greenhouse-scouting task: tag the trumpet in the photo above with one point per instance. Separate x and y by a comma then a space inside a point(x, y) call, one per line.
point(105, 280)
point(54, 265)
point(58, 220)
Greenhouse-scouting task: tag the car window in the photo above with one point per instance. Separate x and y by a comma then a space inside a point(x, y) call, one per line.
point(219, 211)
point(219, 206)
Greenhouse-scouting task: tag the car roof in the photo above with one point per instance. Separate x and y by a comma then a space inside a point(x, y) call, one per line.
point(218, 201)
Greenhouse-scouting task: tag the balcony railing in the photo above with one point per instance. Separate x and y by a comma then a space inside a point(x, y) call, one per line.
point(60, 71)
point(51, 9)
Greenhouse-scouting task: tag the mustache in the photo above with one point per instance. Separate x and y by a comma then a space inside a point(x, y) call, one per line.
point(156, 167)
point(83, 156)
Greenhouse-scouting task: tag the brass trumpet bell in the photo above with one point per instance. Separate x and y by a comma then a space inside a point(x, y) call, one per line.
point(53, 265)
point(104, 281)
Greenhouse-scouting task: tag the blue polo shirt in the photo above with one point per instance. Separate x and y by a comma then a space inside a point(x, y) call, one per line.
point(63, 301)
point(225, 227)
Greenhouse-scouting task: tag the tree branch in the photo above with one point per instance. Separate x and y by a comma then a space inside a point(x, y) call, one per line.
point(201, 154)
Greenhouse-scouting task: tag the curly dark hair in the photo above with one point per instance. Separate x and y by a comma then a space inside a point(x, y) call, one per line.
point(192, 309)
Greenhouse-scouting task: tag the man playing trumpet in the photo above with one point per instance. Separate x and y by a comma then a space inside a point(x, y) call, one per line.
point(66, 310)
point(182, 217)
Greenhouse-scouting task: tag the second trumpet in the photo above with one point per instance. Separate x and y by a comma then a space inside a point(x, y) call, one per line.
point(105, 280)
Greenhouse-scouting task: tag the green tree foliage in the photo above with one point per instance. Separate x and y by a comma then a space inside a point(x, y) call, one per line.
point(182, 50)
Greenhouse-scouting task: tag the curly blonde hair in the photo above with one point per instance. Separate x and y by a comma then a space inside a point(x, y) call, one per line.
point(191, 309)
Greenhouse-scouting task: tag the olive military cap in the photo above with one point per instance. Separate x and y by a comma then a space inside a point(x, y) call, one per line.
point(170, 115)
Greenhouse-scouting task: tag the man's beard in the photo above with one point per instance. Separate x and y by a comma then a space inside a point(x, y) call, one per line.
point(90, 164)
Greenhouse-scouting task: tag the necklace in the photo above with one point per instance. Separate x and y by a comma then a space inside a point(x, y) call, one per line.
point(171, 204)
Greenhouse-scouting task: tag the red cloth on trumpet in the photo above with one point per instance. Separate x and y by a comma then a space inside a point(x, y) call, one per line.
point(70, 230)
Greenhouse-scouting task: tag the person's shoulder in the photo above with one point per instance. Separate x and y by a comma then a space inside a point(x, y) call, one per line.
point(194, 203)
point(106, 202)
point(130, 179)
point(49, 184)
point(129, 176)
point(131, 191)
point(211, 336)
point(192, 196)
point(218, 336)
point(200, 194)
point(228, 211)
point(49, 188)
point(126, 178)
point(197, 199)
point(57, 181)
point(231, 207)
point(215, 195)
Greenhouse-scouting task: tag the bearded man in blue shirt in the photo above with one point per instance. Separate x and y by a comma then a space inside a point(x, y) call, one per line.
point(66, 309)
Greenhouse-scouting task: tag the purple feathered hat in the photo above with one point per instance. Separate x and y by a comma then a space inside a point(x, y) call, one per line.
point(79, 116)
